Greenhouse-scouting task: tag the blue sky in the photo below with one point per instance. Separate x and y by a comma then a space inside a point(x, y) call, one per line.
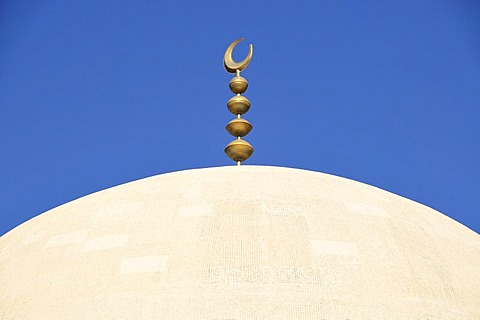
point(98, 93)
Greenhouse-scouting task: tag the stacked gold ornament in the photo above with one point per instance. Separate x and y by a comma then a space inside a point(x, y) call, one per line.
point(238, 150)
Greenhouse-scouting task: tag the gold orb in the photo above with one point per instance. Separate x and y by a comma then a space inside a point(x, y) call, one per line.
point(239, 150)
point(238, 84)
point(239, 127)
point(238, 105)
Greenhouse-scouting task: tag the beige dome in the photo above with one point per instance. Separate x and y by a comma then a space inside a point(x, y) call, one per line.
point(245, 242)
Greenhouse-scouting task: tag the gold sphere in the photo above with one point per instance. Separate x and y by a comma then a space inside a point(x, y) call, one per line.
point(238, 84)
point(238, 105)
point(239, 127)
point(239, 150)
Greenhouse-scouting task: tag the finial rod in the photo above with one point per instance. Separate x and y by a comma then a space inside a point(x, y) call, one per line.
point(238, 150)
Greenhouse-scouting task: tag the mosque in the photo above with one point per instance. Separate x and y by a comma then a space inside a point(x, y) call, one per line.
point(240, 242)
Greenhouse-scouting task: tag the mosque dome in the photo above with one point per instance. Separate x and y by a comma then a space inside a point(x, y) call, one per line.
point(248, 242)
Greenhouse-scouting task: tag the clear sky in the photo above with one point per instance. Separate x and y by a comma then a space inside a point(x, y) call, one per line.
point(96, 93)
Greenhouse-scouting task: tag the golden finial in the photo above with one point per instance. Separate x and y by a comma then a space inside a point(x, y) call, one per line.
point(232, 66)
point(238, 150)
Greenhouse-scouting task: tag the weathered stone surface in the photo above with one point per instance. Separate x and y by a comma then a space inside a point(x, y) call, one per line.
point(245, 242)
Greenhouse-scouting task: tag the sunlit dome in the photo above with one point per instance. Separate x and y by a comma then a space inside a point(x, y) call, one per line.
point(249, 242)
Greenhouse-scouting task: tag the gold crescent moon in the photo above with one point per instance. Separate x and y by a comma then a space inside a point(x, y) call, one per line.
point(232, 66)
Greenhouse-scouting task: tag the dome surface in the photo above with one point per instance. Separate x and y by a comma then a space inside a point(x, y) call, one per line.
point(247, 242)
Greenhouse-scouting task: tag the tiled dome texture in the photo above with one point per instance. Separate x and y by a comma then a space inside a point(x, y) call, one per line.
point(248, 242)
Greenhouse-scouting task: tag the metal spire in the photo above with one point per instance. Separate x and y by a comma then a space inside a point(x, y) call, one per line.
point(238, 150)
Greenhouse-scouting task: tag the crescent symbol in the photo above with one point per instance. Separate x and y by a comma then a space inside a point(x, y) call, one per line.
point(232, 66)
